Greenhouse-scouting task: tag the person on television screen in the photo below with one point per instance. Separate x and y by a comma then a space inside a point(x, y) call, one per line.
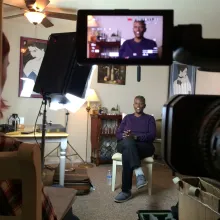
point(182, 84)
point(139, 46)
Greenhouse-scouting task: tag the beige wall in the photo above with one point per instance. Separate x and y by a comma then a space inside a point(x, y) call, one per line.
point(208, 83)
point(154, 82)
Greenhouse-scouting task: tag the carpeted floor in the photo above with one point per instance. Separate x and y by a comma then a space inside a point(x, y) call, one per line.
point(100, 205)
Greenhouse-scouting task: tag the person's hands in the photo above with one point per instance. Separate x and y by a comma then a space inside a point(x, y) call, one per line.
point(127, 134)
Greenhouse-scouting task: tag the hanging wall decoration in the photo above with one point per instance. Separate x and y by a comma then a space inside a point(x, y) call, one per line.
point(31, 56)
point(112, 74)
point(182, 79)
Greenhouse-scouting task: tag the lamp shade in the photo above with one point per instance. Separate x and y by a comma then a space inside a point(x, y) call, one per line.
point(92, 96)
point(35, 17)
point(91, 21)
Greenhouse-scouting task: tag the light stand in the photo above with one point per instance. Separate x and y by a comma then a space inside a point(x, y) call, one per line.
point(68, 143)
point(86, 164)
point(75, 152)
point(44, 124)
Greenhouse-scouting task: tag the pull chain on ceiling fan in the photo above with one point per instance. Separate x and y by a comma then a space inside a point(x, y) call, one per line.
point(36, 13)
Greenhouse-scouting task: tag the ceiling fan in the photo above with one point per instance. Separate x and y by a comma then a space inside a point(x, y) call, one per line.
point(38, 8)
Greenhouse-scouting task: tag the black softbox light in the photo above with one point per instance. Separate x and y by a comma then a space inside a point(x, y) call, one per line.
point(59, 72)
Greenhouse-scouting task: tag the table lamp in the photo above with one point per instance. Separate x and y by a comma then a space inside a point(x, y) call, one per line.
point(91, 97)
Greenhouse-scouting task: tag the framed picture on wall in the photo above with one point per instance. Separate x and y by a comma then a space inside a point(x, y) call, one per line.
point(31, 56)
point(112, 74)
point(182, 79)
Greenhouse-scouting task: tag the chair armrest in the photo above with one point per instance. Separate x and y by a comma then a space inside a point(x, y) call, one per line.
point(61, 199)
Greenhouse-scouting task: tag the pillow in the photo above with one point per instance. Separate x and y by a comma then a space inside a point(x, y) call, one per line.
point(123, 115)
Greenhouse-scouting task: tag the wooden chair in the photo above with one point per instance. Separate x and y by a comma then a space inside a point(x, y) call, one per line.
point(147, 162)
point(25, 164)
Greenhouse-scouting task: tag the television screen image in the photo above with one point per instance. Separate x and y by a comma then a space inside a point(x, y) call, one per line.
point(124, 37)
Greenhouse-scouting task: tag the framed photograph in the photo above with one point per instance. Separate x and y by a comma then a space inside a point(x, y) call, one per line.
point(182, 79)
point(31, 55)
point(112, 74)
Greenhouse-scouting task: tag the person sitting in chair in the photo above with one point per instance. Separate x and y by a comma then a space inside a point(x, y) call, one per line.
point(135, 136)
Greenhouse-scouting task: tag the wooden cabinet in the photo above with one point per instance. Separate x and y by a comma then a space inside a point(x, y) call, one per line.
point(103, 139)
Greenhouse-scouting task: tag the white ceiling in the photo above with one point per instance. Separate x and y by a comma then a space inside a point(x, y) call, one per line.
point(189, 11)
point(68, 4)
point(127, 4)
point(54, 5)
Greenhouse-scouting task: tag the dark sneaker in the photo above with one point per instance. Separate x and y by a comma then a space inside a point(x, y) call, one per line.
point(123, 197)
point(141, 181)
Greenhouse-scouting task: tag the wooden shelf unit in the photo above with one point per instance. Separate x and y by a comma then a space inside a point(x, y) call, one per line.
point(103, 139)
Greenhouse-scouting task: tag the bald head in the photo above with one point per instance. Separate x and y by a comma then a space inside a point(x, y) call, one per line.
point(139, 28)
point(140, 97)
point(139, 104)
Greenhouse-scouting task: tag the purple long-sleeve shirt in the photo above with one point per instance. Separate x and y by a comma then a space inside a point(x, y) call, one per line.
point(143, 49)
point(144, 127)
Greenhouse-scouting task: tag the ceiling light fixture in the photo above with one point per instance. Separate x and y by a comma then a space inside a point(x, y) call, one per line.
point(35, 17)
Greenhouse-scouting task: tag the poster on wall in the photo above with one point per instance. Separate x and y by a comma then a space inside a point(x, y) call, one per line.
point(31, 56)
point(112, 74)
point(182, 79)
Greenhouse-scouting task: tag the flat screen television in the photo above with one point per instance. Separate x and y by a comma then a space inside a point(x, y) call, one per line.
point(126, 37)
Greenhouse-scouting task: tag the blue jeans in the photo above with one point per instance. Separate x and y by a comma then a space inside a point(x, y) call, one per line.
point(69, 215)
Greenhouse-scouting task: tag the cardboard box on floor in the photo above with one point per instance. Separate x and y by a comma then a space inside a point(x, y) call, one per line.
point(199, 199)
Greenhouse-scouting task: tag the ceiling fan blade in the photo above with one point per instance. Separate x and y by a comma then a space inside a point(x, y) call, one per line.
point(15, 4)
point(65, 16)
point(13, 16)
point(47, 23)
point(11, 11)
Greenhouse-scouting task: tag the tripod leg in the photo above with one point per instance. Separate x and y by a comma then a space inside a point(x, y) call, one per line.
point(57, 149)
point(52, 151)
point(68, 143)
point(76, 153)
